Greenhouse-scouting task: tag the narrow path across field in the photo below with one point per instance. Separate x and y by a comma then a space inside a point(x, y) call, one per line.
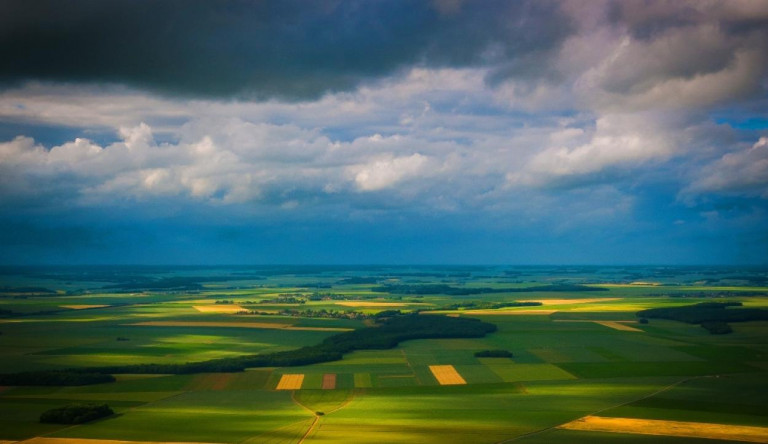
point(315, 414)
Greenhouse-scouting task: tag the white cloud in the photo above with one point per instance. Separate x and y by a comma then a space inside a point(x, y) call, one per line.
point(617, 141)
point(598, 105)
point(386, 172)
point(742, 172)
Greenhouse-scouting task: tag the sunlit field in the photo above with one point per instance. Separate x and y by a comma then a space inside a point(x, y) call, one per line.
point(578, 354)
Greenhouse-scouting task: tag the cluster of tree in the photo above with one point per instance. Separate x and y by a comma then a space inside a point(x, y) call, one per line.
point(255, 312)
point(309, 313)
point(26, 291)
point(387, 314)
point(388, 333)
point(707, 311)
point(711, 294)
point(224, 301)
point(489, 305)
point(334, 297)
point(56, 378)
point(451, 290)
point(494, 354)
point(76, 414)
point(296, 298)
point(717, 327)
point(714, 314)
point(5, 312)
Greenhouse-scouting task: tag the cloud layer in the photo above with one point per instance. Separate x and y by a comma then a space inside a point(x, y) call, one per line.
point(539, 121)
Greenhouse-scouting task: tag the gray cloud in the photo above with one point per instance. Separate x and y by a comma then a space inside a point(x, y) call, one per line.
point(272, 48)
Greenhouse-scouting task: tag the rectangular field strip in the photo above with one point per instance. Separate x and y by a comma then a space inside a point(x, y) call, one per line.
point(290, 382)
point(329, 381)
point(617, 325)
point(218, 308)
point(670, 428)
point(446, 375)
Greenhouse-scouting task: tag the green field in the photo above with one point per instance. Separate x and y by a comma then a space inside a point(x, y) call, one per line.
point(565, 365)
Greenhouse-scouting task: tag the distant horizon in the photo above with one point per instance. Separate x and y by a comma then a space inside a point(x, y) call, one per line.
point(389, 265)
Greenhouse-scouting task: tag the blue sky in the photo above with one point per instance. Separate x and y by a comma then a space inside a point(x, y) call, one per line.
point(571, 132)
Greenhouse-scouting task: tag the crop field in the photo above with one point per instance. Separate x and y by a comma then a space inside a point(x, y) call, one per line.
point(670, 428)
point(579, 364)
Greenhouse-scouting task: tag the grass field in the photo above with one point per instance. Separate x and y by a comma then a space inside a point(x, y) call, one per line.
point(580, 355)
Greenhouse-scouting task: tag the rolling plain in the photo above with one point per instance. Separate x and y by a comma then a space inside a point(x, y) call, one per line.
point(584, 367)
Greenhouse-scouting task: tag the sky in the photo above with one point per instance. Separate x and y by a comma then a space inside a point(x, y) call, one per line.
point(384, 132)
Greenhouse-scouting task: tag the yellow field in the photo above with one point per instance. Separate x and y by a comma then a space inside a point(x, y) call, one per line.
point(446, 375)
point(267, 325)
point(572, 301)
point(219, 308)
point(670, 428)
point(618, 325)
point(83, 306)
point(290, 382)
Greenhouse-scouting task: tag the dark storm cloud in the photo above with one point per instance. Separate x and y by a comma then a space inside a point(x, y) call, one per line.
point(280, 48)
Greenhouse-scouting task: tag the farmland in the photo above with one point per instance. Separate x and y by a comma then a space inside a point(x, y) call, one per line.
point(579, 354)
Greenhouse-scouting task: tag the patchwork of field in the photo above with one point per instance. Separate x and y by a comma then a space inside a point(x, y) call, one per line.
point(582, 369)
point(228, 324)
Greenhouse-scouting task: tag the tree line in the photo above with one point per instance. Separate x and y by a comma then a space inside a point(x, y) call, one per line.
point(450, 290)
point(713, 316)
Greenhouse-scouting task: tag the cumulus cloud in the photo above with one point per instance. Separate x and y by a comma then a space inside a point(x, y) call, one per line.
point(225, 162)
point(505, 109)
point(742, 172)
point(386, 172)
point(625, 141)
